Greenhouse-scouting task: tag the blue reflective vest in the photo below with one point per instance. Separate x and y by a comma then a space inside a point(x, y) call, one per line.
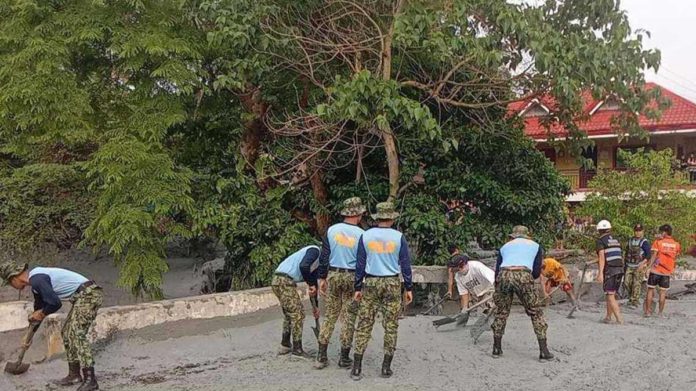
point(343, 241)
point(291, 264)
point(64, 282)
point(519, 252)
point(382, 247)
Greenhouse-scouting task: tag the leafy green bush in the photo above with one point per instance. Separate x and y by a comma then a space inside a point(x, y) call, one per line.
point(648, 192)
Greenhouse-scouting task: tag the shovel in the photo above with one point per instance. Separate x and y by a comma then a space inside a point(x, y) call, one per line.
point(315, 305)
point(578, 292)
point(426, 312)
point(463, 317)
point(18, 367)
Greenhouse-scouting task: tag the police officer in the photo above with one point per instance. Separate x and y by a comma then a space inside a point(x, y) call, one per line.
point(611, 269)
point(637, 258)
point(518, 265)
point(51, 285)
point(337, 276)
point(301, 266)
point(382, 255)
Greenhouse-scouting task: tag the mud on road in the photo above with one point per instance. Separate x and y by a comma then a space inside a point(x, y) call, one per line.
point(240, 354)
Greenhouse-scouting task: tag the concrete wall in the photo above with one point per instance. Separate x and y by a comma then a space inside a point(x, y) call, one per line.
point(14, 314)
point(438, 274)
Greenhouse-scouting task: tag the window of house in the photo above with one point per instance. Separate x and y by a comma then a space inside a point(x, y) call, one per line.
point(536, 110)
point(611, 104)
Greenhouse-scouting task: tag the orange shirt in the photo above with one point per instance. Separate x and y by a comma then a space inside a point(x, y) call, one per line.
point(667, 251)
point(553, 270)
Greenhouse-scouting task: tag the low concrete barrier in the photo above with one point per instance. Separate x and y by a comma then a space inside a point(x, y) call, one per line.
point(438, 274)
point(14, 315)
point(111, 320)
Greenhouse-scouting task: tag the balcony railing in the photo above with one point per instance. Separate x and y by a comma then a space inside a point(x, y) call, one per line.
point(573, 177)
point(580, 178)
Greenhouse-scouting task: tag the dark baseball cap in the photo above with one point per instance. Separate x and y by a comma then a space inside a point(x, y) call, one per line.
point(638, 227)
point(458, 261)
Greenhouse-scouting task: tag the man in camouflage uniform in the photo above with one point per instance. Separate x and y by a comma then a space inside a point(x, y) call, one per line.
point(637, 258)
point(50, 286)
point(382, 255)
point(337, 267)
point(299, 266)
point(518, 265)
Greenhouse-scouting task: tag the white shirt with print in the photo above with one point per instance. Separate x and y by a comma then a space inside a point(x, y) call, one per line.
point(478, 281)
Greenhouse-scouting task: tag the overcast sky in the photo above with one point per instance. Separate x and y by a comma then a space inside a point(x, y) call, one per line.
point(672, 25)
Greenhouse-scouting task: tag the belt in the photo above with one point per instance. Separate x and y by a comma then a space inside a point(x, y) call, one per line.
point(371, 276)
point(341, 270)
point(517, 268)
point(86, 285)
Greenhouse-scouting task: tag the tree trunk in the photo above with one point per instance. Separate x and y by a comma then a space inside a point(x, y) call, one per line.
point(254, 129)
point(322, 218)
point(387, 134)
point(392, 162)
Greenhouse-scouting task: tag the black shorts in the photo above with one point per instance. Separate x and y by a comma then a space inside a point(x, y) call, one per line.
point(612, 283)
point(655, 280)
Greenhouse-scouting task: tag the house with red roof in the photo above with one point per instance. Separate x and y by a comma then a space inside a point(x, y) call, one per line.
point(675, 129)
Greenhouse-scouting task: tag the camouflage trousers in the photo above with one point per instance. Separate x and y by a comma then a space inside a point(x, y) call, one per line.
point(383, 295)
point(633, 279)
point(76, 328)
point(339, 302)
point(520, 283)
point(285, 290)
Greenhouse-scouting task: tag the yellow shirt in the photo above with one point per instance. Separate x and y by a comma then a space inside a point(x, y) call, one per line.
point(553, 270)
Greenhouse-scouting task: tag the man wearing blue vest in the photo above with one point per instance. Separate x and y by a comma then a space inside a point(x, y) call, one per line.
point(337, 270)
point(382, 255)
point(302, 265)
point(50, 285)
point(611, 269)
point(518, 265)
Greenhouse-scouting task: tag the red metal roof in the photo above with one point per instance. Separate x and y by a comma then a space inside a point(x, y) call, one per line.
point(680, 115)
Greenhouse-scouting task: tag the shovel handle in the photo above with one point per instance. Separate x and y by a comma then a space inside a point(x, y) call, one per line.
point(433, 307)
point(480, 303)
point(26, 341)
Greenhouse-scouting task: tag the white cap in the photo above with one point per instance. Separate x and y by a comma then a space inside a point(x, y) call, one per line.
point(604, 224)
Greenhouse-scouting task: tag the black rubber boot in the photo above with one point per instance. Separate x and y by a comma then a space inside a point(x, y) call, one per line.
point(285, 346)
point(544, 353)
point(90, 381)
point(497, 347)
point(356, 373)
point(73, 377)
point(297, 351)
point(386, 365)
point(345, 361)
point(322, 360)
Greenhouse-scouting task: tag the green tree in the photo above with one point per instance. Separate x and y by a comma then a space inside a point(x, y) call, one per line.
point(249, 120)
point(648, 192)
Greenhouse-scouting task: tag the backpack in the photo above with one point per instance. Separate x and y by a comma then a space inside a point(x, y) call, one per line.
point(634, 256)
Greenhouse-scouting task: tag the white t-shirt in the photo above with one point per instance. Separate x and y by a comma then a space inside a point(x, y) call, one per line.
point(479, 280)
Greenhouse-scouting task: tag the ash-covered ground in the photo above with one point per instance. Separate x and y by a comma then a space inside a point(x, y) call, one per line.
point(240, 354)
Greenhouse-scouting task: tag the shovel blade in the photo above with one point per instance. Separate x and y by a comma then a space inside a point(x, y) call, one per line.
point(444, 321)
point(16, 368)
point(462, 320)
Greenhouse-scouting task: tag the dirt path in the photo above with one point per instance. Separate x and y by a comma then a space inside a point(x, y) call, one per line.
point(239, 353)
